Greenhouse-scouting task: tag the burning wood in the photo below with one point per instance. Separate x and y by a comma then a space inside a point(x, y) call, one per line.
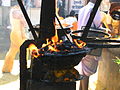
point(56, 46)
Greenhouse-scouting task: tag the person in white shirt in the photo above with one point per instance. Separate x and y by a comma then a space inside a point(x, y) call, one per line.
point(84, 14)
point(89, 63)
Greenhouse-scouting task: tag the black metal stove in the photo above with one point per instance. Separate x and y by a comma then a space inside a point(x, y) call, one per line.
point(51, 70)
point(54, 70)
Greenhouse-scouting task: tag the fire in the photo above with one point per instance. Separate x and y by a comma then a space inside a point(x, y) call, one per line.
point(55, 38)
point(51, 45)
point(51, 48)
point(34, 50)
point(53, 42)
point(79, 43)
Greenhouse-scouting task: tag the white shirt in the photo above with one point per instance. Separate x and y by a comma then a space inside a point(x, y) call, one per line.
point(84, 14)
point(70, 20)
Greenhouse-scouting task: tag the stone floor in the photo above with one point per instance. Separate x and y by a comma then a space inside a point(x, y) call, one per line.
point(11, 81)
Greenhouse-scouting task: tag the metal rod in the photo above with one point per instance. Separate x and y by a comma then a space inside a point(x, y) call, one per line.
point(102, 41)
point(62, 28)
point(91, 45)
point(91, 18)
point(47, 19)
point(27, 18)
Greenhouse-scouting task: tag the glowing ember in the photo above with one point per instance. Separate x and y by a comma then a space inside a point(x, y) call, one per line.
point(79, 43)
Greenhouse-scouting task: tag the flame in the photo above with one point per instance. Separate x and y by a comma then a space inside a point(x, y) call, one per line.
point(51, 45)
point(48, 43)
point(79, 43)
point(34, 50)
point(55, 38)
point(54, 41)
point(51, 48)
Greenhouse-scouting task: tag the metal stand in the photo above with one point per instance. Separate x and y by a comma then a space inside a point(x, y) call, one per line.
point(52, 86)
point(30, 83)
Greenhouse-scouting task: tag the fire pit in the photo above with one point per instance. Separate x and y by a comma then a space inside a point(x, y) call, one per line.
point(67, 55)
point(64, 60)
point(53, 63)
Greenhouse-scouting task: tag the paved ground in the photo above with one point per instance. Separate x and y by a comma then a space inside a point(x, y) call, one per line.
point(11, 81)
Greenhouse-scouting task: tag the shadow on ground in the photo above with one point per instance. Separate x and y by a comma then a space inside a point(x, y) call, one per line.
point(7, 78)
